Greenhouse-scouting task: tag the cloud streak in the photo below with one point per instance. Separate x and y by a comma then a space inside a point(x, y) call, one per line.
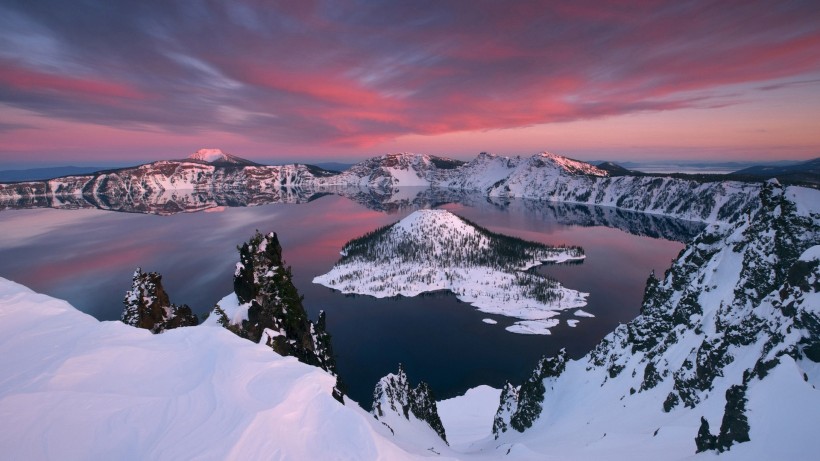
point(355, 73)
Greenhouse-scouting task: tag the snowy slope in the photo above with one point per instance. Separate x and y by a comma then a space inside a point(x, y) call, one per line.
point(216, 156)
point(432, 250)
point(76, 388)
point(392, 170)
point(731, 334)
point(552, 177)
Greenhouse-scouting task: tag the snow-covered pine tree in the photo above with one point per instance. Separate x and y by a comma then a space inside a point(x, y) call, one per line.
point(262, 279)
point(508, 404)
point(423, 407)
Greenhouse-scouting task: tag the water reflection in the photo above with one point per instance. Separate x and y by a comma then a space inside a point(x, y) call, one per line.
point(399, 200)
point(87, 256)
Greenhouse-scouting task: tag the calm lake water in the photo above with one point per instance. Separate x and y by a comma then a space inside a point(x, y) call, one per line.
point(87, 257)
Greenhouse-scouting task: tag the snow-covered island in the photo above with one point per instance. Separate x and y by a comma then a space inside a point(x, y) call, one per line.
point(433, 250)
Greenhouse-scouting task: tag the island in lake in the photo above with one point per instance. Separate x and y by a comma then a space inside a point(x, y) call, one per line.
point(434, 250)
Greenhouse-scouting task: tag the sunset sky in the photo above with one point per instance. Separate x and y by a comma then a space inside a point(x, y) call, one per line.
point(122, 82)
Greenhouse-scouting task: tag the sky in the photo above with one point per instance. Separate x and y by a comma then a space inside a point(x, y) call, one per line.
point(110, 83)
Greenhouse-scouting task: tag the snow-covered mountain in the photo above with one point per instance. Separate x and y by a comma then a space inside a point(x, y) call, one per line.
point(393, 170)
point(544, 176)
point(552, 177)
point(433, 250)
point(170, 186)
point(217, 157)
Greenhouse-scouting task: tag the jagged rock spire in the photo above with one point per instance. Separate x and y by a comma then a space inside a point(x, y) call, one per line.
point(276, 315)
point(147, 305)
point(393, 394)
point(520, 407)
point(507, 406)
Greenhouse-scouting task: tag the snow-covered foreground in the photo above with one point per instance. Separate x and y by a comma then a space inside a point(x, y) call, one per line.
point(724, 356)
point(76, 388)
point(433, 250)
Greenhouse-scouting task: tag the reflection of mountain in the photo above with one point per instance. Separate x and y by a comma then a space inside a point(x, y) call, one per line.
point(433, 250)
point(161, 202)
point(651, 225)
point(205, 180)
point(391, 201)
point(544, 176)
point(637, 223)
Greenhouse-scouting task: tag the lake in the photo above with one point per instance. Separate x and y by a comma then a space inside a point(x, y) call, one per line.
point(87, 256)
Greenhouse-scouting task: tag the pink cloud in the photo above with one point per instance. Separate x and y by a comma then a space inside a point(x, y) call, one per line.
point(21, 79)
point(336, 77)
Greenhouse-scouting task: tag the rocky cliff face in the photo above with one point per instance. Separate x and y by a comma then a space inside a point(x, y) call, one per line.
point(554, 178)
point(741, 300)
point(520, 406)
point(147, 305)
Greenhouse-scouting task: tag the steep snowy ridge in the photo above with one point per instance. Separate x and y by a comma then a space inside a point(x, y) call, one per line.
point(680, 198)
point(392, 170)
point(479, 174)
point(566, 165)
point(732, 327)
point(406, 410)
point(552, 177)
point(432, 250)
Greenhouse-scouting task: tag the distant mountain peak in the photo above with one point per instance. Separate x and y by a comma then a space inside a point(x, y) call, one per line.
point(216, 156)
point(569, 165)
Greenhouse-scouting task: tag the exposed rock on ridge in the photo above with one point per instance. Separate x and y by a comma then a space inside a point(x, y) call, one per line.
point(740, 302)
point(147, 305)
point(274, 312)
point(393, 397)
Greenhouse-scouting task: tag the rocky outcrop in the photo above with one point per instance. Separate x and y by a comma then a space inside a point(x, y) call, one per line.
point(521, 406)
point(739, 301)
point(275, 314)
point(393, 397)
point(147, 305)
